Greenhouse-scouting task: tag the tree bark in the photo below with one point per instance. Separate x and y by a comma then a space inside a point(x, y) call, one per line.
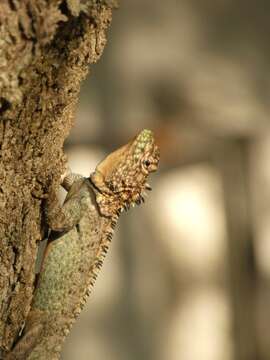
point(45, 49)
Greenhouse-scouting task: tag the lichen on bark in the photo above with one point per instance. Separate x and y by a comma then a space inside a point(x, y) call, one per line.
point(45, 49)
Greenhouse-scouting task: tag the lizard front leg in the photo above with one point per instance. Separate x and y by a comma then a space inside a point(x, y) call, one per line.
point(64, 217)
point(69, 178)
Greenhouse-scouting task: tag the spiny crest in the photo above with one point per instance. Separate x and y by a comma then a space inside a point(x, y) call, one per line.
point(121, 177)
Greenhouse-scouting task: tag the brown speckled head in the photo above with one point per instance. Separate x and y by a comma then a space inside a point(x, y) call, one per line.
point(121, 177)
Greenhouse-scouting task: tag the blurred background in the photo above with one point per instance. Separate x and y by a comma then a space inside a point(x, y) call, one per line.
point(187, 274)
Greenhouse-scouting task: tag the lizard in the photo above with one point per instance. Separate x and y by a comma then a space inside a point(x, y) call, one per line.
point(81, 231)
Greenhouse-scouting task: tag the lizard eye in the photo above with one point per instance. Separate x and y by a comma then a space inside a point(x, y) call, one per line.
point(147, 163)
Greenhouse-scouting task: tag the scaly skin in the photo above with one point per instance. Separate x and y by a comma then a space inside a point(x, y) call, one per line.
point(81, 232)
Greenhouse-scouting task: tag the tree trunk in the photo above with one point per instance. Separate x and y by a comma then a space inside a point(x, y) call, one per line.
point(45, 49)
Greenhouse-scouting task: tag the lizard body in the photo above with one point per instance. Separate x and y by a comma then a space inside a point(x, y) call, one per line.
point(81, 232)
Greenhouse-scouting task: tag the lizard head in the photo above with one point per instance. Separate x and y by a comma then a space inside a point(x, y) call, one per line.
point(121, 178)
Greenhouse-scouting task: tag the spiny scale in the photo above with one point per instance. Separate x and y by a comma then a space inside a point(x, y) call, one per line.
point(98, 262)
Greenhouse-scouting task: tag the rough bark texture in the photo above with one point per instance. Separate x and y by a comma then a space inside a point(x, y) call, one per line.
point(45, 49)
